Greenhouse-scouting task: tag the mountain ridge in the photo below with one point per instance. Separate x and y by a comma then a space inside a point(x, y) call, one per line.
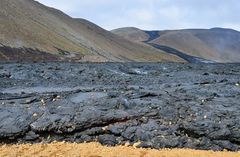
point(29, 25)
point(215, 44)
point(30, 31)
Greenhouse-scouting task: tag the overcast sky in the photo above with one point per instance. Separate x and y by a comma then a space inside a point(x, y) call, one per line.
point(153, 14)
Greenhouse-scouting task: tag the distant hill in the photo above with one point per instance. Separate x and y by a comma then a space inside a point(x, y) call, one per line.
point(32, 31)
point(204, 45)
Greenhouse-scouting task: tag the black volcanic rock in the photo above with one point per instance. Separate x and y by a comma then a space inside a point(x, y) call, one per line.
point(165, 106)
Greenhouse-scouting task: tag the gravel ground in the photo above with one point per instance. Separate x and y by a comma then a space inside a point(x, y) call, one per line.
point(157, 105)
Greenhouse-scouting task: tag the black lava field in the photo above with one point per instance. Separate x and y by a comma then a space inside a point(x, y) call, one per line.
point(158, 105)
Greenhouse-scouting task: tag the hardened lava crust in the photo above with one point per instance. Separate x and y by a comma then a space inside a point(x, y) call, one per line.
point(149, 105)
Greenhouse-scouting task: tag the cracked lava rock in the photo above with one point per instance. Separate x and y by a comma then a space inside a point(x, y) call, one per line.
point(156, 105)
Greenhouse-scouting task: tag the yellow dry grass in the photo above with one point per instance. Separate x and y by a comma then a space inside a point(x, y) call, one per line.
point(96, 150)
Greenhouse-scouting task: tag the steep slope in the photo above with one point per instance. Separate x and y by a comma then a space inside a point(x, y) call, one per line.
point(217, 44)
point(32, 31)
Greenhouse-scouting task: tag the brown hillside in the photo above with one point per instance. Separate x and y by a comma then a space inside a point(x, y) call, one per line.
point(220, 45)
point(26, 24)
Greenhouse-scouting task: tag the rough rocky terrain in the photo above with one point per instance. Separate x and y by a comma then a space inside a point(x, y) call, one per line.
point(150, 105)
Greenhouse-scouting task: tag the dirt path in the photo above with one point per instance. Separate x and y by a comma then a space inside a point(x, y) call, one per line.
point(97, 150)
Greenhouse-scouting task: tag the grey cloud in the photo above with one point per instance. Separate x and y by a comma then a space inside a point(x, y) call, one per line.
point(154, 14)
